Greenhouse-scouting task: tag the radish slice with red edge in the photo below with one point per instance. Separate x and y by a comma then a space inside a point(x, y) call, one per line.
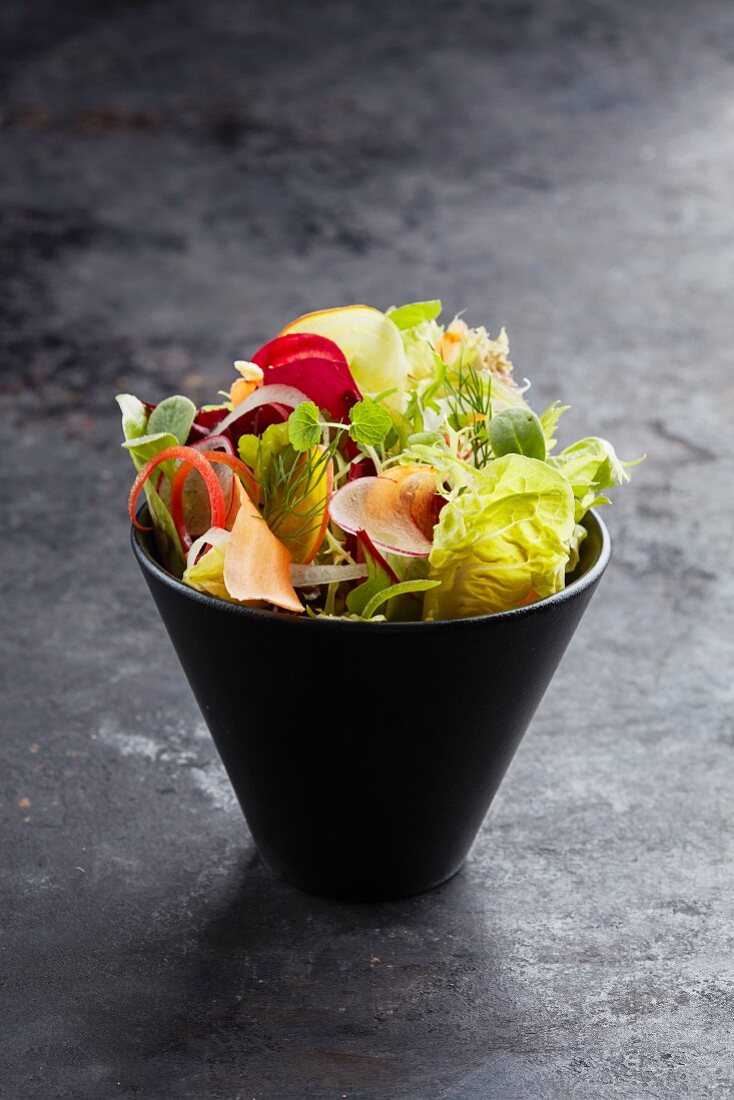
point(383, 508)
point(214, 443)
point(179, 482)
point(265, 395)
point(199, 462)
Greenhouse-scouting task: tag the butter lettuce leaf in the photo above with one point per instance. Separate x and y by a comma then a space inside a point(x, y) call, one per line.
point(501, 541)
point(207, 575)
point(591, 467)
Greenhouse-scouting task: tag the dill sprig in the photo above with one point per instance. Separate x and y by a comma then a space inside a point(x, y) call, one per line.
point(469, 399)
point(292, 477)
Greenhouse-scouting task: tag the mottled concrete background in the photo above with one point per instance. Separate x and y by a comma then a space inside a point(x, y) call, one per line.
point(178, 180)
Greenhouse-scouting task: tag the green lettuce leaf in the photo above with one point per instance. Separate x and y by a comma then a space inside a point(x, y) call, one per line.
point(549, 422)
point(503, 539)
point(207, 575)
point(174, 415)
point(142, 445)
point(407, 317)
point(591, 467)
point(134, 416)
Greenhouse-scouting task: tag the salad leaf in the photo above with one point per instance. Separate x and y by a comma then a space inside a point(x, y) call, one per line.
point(395, 590)
point(142, 446)
point(517, 431)
point(591, 466)
point(501, 540)
point(370, 422)
point(380, 577)
point(174, 415)
point(407, 317)
point(549, 422)
point(304, 427)
point(134, 415)
point(207, 574)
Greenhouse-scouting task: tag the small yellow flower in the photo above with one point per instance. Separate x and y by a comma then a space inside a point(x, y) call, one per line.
point(252, 377)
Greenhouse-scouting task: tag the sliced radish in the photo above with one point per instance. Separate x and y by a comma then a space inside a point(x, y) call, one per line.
point(304, 576)
point(393, 509)
point(265, 395)
point(214, 443)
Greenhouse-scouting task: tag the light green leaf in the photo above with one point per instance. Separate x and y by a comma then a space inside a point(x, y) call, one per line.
point(379, 577)
point(146, 446)
point(175, 415)
point(549, 422)
point(370, 422)
point(134, 415)
point(407, 317)
point(505, 537)
point(400, 589)
point(517, 431)
point(304, 427)
point(591, 466)
point(207, 574)
point(248, 448)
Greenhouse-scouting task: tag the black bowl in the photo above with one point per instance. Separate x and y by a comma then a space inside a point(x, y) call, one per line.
point(365, 756)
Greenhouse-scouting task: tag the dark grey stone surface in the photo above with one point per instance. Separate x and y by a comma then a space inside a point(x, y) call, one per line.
point(179, 179)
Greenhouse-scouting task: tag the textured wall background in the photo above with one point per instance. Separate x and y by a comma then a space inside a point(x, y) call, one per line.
point(179, 179)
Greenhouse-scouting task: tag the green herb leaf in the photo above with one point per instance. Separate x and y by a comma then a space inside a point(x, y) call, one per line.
point(407, 317)
point(248, 448)
point(175, 415)
point(393, 591)
point(517, 431)
point(370, 422)
point(549, 422)
point(304, 427)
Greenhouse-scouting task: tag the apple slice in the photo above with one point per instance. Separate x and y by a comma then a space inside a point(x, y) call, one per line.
point(256, 563)
point(398, 509)
point(368, 338)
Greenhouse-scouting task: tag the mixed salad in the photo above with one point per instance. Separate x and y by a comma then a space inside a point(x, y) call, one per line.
point(369, 466)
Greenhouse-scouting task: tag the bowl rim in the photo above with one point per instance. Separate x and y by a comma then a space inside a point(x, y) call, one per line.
point(589, 578)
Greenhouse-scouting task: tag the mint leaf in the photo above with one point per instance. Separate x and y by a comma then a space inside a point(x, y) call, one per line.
point(416, 313)
point(370, 422)
point(304, 427)
point(174, 415)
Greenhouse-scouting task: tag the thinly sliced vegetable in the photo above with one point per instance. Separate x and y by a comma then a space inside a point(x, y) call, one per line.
point(179, 481)
point(200, 463)
point(369, 340)
point(256, 563)
point(306, 576)
point(266, 395)
point(398, 509)
point(380, 576)
point(214, 443)
point(315, 365)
